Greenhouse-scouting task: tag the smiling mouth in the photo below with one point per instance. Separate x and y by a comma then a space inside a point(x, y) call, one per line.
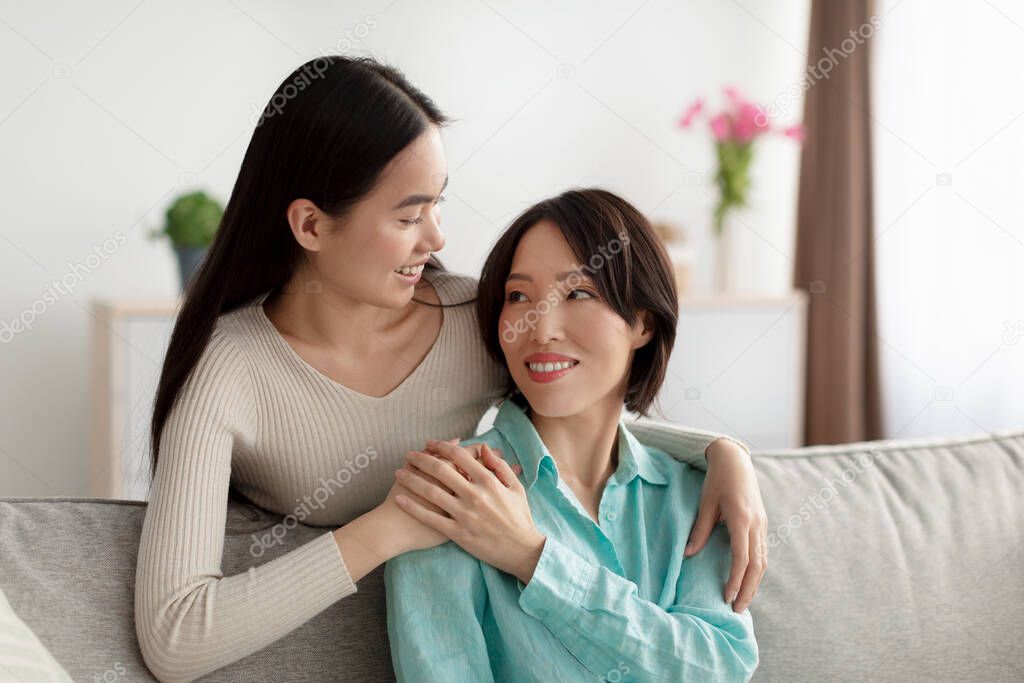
point(410, 271)
point(550, 371)
point(549, 367)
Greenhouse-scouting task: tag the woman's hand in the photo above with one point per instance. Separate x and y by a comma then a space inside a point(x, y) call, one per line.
point(485, 512)
point(411, 533)
point(731, 495)
point(384, 532)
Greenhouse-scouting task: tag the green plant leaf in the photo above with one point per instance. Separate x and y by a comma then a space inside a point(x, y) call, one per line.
point(192, 220)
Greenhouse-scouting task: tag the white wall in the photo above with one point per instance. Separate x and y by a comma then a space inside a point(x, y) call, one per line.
point(108, 111)
point(949, 137)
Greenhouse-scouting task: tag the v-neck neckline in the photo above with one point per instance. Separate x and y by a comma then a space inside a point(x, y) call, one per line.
point(305, 366)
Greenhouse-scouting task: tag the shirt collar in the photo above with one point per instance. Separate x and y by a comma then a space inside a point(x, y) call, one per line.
point(515, 426)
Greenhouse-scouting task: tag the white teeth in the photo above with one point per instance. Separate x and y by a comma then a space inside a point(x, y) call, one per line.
point(409, 270)
point(551, 367)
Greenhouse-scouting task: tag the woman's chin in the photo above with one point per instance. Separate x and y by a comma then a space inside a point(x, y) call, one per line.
point(395, 296)
point(551, 402)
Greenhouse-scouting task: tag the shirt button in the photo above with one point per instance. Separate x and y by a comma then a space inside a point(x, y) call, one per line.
point(611, 515)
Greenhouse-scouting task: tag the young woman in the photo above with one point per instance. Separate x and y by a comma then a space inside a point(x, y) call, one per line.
point(320, 341)
point(574, 570)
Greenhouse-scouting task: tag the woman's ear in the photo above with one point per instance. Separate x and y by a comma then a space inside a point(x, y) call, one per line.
point(643, 330)
point(308, 223)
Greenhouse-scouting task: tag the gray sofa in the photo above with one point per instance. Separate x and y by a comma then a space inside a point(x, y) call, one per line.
point(889, 561)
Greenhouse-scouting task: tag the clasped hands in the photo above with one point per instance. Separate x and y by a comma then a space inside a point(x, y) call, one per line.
point(472, 496)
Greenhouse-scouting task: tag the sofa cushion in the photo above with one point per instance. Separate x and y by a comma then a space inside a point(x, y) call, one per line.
point(69, 571)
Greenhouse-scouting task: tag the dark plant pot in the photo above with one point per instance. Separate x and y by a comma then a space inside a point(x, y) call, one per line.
point(189, 259)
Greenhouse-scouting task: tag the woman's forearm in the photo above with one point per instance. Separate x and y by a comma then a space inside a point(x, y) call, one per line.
point(601, 619)
point(369, 541)
point(685, 444)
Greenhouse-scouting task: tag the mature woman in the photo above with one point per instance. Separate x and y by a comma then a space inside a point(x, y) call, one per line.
point(575, 570)
point(320, 342)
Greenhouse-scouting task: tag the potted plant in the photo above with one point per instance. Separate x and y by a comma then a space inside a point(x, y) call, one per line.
point(734, 129)
point(190, 223)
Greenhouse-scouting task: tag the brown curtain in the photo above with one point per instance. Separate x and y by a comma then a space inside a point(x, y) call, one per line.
point(834, 242)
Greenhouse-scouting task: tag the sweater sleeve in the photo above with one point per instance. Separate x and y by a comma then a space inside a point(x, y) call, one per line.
point(190, 618)
point(685, 444)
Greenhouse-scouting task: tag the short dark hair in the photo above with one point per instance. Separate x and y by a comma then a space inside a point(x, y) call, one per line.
point(638, 277)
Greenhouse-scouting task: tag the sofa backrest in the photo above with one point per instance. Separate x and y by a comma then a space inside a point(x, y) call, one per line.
point(894, 561)
point(887, 562)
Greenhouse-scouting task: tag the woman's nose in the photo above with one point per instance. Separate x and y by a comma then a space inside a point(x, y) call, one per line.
point(547, 324)
point(434, 238)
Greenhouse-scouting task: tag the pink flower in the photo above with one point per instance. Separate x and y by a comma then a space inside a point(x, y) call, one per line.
point(741, 121)
point(751, 121)
point(720, 127)
point(795, 131)
point(691, 113)
point(734, 95)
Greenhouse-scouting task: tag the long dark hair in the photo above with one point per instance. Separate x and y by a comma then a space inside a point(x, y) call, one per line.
point(328, 131)
point(622, 254)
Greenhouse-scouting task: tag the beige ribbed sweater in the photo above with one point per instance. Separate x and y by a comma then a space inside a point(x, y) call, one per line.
point(253, 412)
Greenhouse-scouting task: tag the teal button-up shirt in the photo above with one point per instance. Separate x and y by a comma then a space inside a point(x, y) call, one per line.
point(613, 600)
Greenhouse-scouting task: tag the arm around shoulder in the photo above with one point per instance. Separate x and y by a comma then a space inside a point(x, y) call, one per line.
point(685, 444)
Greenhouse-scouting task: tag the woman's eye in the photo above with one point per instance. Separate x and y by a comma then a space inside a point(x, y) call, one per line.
point(512, 296)
point(419, 219)
point(585, 293)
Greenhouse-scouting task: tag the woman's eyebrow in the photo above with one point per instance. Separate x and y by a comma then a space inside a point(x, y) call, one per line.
point(414, 199)
point(558, 276)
